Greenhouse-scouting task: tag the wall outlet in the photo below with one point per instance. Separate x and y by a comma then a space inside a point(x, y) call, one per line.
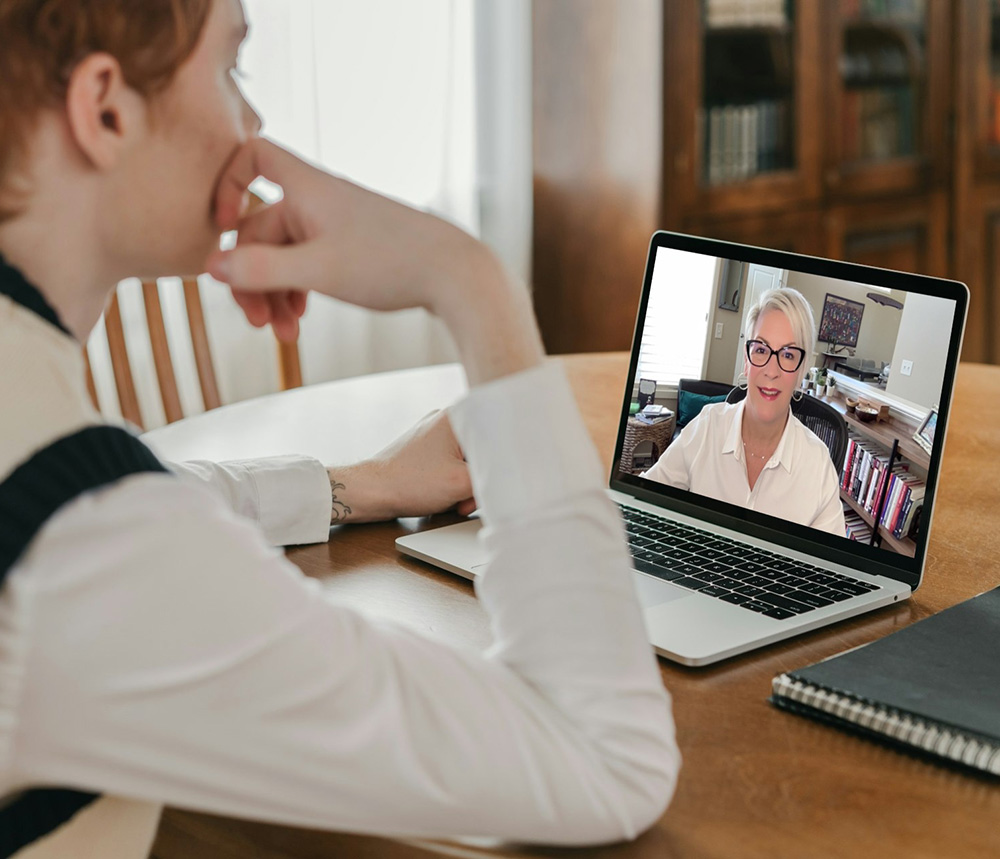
point(718, 330)
point(906, 367)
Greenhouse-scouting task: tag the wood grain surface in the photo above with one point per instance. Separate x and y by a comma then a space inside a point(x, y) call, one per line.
point(756, 782)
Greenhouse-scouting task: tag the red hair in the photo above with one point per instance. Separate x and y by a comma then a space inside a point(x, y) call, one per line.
point(43, 40)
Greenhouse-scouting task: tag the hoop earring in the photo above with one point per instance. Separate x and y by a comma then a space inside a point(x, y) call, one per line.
point(742, 381)
point(798, 394)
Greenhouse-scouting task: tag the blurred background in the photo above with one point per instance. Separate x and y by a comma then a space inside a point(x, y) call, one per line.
point(564, 132)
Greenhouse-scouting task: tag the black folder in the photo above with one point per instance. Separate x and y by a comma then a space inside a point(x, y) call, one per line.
point(933, 686)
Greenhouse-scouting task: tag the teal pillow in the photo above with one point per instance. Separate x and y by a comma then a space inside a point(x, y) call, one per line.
point(689, 404)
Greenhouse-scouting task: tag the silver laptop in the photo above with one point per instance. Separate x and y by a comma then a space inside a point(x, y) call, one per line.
point(717, 578)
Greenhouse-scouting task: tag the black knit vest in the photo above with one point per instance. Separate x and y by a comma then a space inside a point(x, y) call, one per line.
point(82, 462)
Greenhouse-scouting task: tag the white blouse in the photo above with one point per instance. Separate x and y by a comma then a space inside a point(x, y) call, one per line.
point(157, 649)
point(798, 483)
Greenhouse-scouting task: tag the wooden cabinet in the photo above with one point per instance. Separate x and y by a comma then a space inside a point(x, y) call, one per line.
point(976, 170)
point(866, 130)
point(908, 233)
point(864, 169)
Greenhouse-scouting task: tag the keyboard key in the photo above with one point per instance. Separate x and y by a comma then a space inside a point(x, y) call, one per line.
point(750, 591)
point(707, 576)
point(687, 569)
point(728, 583)
point(784, 603)
point(813, 588)
point(758, 581)
point(814, 600)
point(779, 614)
point(717, 567)
point(850, 588)
point(780, 588)
point(657, 570)
point(714, 591)
point(711, 554)
point(691, 583)
point(750, 567)
point(676, 554)
point(759, 607)
point(735, 599)
point(836, 596)
point(721, 545)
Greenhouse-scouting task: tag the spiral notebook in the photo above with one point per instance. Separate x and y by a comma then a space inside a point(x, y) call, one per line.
point(933, 686)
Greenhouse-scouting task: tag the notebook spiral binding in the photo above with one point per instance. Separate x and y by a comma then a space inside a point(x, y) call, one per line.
point(890, 723)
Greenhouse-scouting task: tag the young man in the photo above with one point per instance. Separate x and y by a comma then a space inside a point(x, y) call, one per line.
point(153, 647)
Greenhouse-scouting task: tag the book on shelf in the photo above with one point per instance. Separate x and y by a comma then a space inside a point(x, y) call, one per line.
point(933, 686)
point(743, 140)
point(856, 527)
point(745, 13)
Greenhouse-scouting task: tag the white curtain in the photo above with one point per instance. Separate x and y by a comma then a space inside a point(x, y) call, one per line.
point(428, 102)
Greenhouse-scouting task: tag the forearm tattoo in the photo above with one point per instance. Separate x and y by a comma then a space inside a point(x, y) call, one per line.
point(339, 510)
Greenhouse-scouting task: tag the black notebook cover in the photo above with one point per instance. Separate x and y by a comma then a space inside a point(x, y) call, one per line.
point(943, 671)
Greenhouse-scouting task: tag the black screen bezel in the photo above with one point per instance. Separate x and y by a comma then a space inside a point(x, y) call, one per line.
point(801, 538)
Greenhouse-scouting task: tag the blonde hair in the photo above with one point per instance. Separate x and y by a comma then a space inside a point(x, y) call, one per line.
point(799, 313)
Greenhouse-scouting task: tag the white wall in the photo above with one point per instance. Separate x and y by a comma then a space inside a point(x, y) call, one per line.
point(924, 332)
point(722, 352)
point(879, 324)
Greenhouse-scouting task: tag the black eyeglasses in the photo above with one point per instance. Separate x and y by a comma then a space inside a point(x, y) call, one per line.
point(789, 357)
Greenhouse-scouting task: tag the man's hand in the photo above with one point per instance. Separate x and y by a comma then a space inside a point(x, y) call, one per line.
point(420, 473)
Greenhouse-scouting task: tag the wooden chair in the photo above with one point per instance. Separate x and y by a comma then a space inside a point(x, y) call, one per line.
point(290, 369)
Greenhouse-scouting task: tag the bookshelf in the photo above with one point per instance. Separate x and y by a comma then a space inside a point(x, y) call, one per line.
point(892, 438)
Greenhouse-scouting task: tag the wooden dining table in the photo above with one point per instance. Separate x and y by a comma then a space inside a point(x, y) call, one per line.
point(756, 781)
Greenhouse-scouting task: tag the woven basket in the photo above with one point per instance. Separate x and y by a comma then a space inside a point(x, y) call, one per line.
point(636, 432)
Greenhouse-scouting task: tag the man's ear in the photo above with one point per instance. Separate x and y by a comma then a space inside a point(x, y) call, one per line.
point(102, 110)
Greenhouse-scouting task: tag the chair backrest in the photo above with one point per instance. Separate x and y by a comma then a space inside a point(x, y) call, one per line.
point(290, 369)
point(822, 419)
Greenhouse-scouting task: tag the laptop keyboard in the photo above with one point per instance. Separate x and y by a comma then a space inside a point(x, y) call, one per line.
point(745, 576)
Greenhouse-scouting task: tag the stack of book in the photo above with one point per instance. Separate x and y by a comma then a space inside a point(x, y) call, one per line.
point(879, 123)
point(745, 13)
point(904, 500)
point(744, 140)
point(857, 528)
point(899, 11)
point(866, 469)
point(871, 480)
point(654, 414)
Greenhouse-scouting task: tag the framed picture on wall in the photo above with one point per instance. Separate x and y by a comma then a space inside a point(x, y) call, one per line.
point(841, 320)
point(925, 435)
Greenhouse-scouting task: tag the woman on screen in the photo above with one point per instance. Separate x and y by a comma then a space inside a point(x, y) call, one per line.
point(754, 453)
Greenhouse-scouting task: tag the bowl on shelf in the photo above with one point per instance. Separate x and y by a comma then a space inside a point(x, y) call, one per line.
point(865, 414)
point(851, 404)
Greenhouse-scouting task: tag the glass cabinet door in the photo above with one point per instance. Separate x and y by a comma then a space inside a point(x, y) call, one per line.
point(741, 97)
point(888, 80)
point(747, 109)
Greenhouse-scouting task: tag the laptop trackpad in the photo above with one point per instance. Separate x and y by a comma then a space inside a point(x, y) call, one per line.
point(656, 592)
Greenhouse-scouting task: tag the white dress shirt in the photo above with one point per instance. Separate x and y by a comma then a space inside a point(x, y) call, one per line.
point(156, 649)
point(798, 483)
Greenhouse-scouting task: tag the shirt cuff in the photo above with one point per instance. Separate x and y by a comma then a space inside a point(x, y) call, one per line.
point(293, 497)
point(531, 419)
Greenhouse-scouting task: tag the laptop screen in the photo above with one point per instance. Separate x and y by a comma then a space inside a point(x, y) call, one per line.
point(793, 397)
